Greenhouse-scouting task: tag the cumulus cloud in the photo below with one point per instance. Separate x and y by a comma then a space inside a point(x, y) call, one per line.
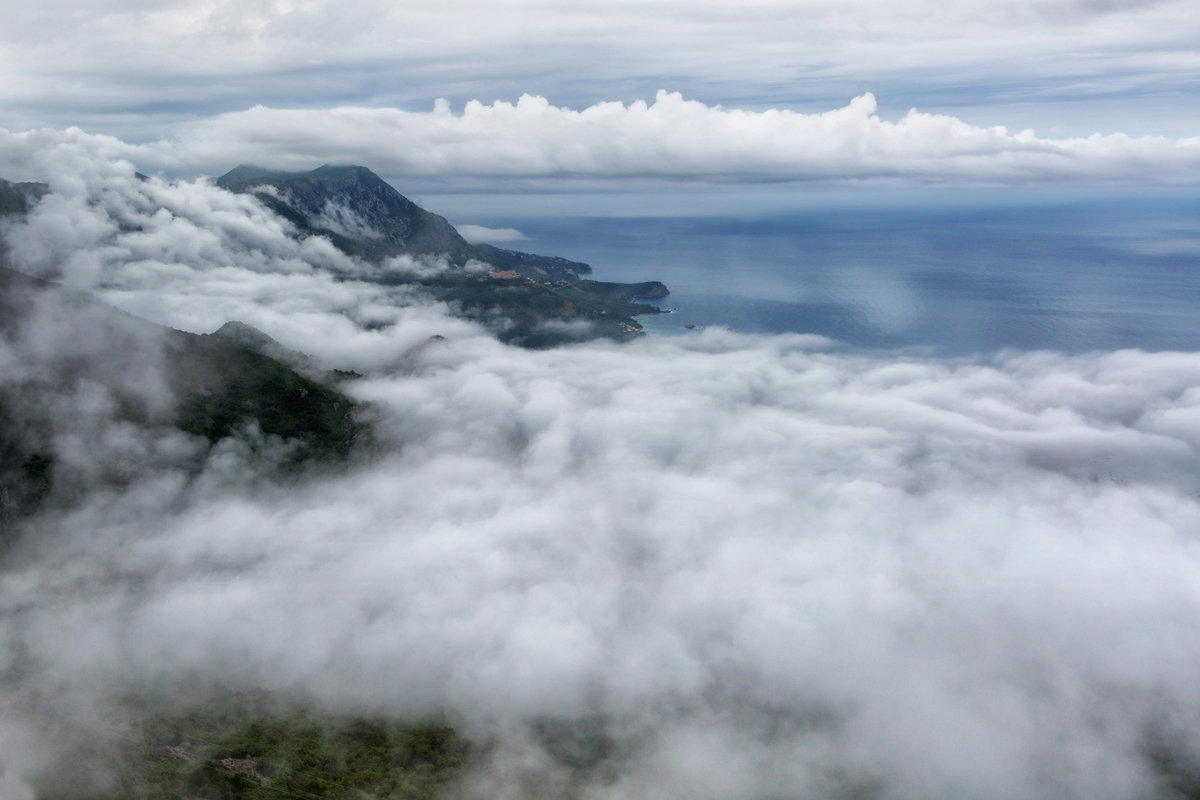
point(671, 139)
point(760, 566)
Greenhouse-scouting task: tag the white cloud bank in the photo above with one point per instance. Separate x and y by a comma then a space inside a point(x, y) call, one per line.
point(482, 234)
point(766, 567)
point(671, 139)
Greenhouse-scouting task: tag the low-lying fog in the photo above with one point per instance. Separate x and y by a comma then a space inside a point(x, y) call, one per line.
point(769, 567)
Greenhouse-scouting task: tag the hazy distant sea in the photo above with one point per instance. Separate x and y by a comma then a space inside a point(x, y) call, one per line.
point(1089, 274)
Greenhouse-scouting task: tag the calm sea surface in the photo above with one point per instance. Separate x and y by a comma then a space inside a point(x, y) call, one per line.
point(1089, 275)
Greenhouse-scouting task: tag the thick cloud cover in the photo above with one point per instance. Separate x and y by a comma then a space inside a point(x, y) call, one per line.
point(132, 68)
point(766, 566)
point(670, 139)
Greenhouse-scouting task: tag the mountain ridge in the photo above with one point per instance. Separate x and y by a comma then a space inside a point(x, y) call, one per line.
point(363, 214)
point(521, 298)
point(336, 200)
point(154, 379)
point(515, 296)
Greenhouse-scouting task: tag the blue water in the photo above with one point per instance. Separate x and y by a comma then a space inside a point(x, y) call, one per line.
point(1084, 275)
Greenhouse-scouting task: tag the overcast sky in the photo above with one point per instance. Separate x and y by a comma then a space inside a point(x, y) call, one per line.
point(485, 95)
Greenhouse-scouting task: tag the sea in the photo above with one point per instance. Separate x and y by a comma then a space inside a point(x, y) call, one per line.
point(1093, 271)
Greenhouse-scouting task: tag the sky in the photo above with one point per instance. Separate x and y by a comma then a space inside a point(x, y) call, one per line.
point(881, 575)
point(530, 96)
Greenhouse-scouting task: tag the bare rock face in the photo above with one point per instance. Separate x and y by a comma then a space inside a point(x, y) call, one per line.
point(360, 212)
point(363, 215)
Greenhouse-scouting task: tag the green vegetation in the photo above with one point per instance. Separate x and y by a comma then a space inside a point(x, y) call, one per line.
point(255, 745)
point(247, 746)
point(625, 291)
point(220, 390)
point(530, 312)
point(25, 477)
point(223, 387)
point(531, 264)
point(610, 298)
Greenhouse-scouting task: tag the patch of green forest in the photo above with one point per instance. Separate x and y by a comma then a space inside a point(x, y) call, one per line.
point(249, 746)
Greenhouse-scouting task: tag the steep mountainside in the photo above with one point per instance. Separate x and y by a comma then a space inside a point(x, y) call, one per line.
point(361, 213)
point(522, 292)
point(91, 396)
point(365, 216)
point(522, 298)
point(11, 200)
point(16, 198)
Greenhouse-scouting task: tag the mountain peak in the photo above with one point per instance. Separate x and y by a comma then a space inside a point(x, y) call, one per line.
point(359, 211)
point(364, 215)
point(245, 176)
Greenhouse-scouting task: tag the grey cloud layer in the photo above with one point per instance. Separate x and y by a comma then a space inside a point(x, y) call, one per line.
point(133, 69)
point(767, 566)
